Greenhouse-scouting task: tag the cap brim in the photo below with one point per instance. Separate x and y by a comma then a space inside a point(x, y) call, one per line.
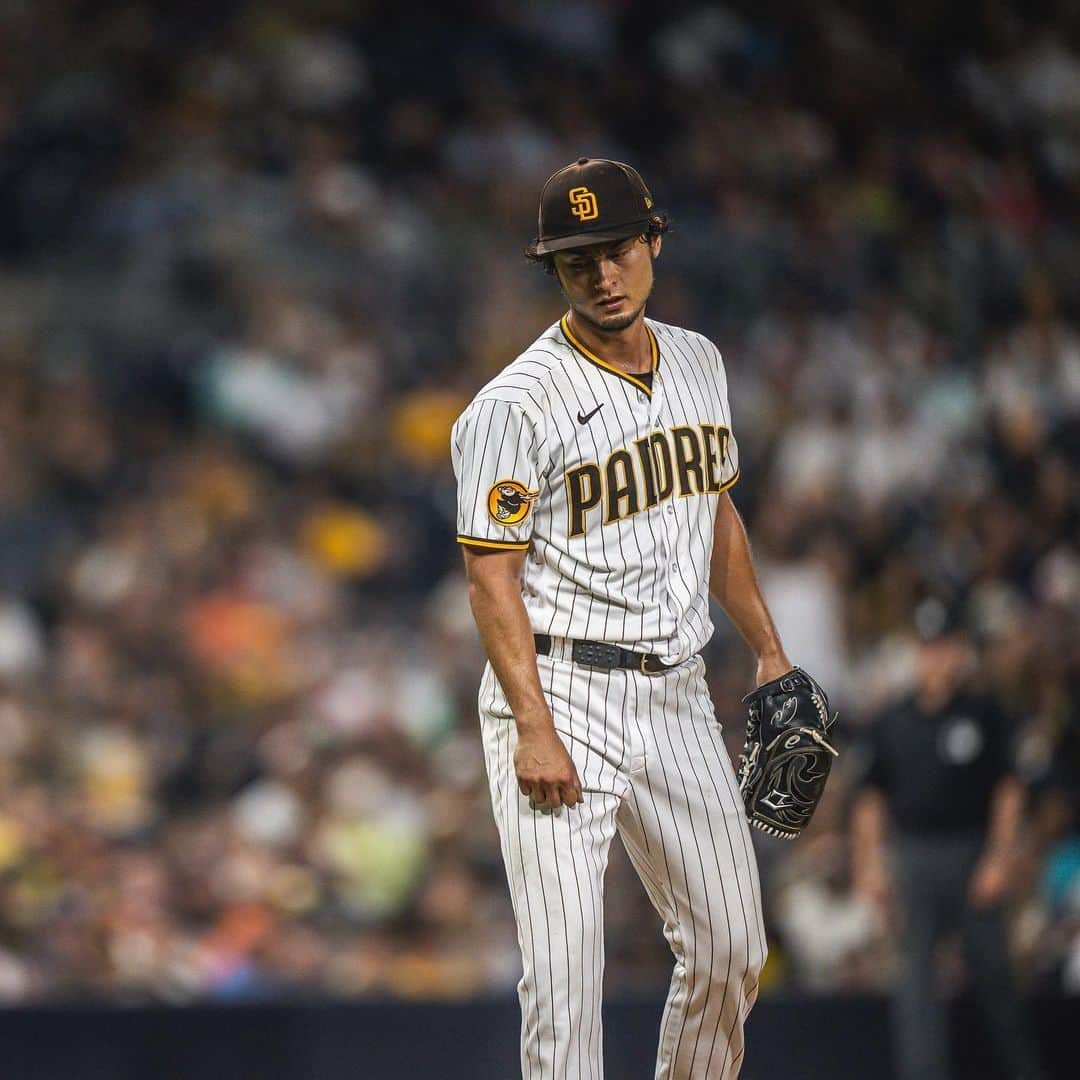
point(587, 239)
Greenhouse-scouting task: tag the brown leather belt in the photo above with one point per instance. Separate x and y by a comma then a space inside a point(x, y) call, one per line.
point(599, 654)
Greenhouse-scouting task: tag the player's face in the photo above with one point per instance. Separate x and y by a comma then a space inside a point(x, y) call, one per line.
point(607, 284)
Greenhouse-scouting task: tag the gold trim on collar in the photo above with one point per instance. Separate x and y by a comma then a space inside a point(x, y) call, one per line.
point(564, 325)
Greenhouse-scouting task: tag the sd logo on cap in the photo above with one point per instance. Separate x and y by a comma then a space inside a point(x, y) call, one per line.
point(593, 201)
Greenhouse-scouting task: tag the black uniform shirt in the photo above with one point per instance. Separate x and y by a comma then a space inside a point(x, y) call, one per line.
point(938, 770)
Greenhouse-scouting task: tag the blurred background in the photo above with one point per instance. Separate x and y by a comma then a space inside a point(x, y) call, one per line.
point(254, 260)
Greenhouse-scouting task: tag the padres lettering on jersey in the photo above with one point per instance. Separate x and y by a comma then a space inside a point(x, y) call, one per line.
point(613, 485)
point(627, 484)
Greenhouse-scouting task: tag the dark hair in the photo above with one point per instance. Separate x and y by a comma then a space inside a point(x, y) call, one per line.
point(659, 223)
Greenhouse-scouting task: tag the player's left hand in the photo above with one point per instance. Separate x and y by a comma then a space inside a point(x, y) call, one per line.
point(787, 756)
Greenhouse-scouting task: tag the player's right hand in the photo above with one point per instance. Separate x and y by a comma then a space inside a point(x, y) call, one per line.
point(545, 771)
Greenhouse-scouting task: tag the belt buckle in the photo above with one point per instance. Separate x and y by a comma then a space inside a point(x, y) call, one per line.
point(660, 669)
point(595, 654)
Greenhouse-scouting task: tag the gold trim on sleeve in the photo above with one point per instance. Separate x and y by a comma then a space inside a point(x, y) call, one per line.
point(497, 544)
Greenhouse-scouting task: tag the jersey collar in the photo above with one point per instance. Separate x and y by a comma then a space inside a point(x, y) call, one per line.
point(564, 325)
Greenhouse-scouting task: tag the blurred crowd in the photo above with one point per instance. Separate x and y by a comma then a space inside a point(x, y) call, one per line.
point(253, 264)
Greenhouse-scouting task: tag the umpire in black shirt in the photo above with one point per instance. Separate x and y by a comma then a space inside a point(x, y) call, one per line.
point(937, 765)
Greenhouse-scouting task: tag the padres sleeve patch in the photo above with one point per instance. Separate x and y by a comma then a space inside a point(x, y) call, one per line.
point(494, 438)
point(509, 501)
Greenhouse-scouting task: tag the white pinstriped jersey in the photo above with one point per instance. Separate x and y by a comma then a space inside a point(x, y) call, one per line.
point(612, 487)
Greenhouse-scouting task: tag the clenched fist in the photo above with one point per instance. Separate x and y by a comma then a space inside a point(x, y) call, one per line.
point(545, 770)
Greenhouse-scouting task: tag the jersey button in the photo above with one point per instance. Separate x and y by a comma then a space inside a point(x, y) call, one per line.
point(669, 510)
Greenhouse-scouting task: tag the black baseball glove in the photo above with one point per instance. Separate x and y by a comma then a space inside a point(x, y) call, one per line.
point(787, 756)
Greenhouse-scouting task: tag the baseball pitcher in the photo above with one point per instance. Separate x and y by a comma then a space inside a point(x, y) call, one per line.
point(595, 520)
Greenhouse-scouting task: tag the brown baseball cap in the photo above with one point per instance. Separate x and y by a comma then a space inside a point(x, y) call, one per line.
point(592, 201)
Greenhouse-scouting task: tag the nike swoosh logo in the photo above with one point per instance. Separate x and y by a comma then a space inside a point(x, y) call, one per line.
point(584, 418)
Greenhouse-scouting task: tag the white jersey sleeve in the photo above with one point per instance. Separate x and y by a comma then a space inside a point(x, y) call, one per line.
point(728, 450)
point(494, 447)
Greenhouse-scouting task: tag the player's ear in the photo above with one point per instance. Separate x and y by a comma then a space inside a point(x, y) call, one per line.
point(655, 244)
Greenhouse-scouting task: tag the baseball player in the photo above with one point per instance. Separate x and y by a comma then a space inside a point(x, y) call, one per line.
point(594, 514)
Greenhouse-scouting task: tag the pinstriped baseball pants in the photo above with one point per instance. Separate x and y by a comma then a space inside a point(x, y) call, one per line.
point(654, 769)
